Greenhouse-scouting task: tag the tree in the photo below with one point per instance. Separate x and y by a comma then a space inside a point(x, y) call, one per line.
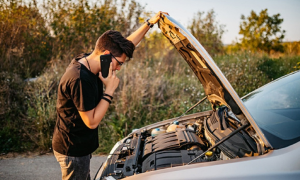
point(78, 24)
point(24, 38)
point(207, 31)
point(261, 32)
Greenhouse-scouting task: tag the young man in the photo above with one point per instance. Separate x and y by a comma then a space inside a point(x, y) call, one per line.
point(81, 102)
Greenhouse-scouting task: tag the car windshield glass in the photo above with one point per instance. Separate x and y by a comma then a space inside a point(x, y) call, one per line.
point(276, 109)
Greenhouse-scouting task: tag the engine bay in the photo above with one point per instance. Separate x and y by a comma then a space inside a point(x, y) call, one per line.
point(181, 142)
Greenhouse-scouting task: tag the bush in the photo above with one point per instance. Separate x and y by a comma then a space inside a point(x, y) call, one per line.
point(25, 40)
point(241, 70)
point(41, 103)
point(277, 67)
point(12, 114)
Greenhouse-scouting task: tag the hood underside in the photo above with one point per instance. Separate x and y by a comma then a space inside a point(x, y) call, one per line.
point(217, 88)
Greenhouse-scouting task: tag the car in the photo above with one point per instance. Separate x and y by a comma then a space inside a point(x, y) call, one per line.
point(254, 137)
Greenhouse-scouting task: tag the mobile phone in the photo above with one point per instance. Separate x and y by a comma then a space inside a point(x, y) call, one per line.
point(105, 61)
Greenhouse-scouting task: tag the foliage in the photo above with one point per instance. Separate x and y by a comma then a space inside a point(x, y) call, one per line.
point(41, 102)
point(24, 38)
point(24, 51)
point(277, 67)
point(292, 48)
point(207, 31)
point(261, 32)
point(297, 67)
point(11, 116)
point(8, 140)
point(78, 24)
point(241, 69)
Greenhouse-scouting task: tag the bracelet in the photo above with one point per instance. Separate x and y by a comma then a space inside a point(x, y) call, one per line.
point(104, 94)
point(149, 24)
point(109, 101)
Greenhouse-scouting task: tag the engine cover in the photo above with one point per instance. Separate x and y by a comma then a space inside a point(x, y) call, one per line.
point(171, 158)
point(172, 140)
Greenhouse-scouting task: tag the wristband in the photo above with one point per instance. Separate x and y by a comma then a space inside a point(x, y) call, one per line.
point(109, 101)
point(104, 94)
point(149, 24)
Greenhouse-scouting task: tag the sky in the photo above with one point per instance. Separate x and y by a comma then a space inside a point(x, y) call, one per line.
point(228, 12)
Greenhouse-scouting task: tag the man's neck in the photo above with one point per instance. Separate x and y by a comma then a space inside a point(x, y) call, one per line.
point(94, 62)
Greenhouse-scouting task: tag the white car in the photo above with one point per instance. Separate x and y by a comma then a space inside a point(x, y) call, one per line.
point(254, 137)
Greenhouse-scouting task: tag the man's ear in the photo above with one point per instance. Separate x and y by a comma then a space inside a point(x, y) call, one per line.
point(106, 52)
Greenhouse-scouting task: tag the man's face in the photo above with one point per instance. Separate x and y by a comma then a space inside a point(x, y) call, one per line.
point(118, 61)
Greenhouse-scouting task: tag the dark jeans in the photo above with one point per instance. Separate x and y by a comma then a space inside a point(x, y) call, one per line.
point(75, 168)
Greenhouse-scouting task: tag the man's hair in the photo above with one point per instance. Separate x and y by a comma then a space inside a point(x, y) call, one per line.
point(114, 42)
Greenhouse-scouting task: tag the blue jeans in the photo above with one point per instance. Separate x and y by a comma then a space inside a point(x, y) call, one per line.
point(74, 168)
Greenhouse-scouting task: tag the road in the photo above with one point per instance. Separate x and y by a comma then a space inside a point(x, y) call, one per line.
point(38, 167)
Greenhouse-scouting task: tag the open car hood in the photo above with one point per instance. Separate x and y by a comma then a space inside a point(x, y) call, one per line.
point(217, 88)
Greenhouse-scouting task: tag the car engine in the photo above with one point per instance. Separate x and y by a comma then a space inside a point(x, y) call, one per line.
point(179, 142)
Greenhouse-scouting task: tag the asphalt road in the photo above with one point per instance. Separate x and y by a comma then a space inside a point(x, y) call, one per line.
point(38, 167)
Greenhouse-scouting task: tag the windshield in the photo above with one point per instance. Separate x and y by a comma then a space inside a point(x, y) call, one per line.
point(276, 109)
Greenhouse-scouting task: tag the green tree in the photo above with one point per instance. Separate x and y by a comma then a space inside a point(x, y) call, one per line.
point(261, 32)
point(207, 31)
point(25, 43)
point(76, 25)
point(24, 38)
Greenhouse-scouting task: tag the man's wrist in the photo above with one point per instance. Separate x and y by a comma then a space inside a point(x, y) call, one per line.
point(106, 99)
point(110, 93)
point(107, 95)
point(149, 23)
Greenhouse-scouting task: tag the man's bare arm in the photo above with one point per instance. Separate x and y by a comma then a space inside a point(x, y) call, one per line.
point(138, 35)
point(93, 117)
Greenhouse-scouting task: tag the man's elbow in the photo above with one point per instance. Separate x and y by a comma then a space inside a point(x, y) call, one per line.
point(92, 125)
point(88, 119)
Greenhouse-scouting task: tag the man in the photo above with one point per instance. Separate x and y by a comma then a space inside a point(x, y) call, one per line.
point(81, 103)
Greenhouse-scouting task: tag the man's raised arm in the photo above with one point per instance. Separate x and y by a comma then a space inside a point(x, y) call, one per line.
point(138, 35)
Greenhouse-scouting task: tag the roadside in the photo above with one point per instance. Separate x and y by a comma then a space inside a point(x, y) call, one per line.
point(38, 167)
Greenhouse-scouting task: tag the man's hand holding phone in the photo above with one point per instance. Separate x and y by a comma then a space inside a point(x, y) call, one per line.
point(111, 82)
